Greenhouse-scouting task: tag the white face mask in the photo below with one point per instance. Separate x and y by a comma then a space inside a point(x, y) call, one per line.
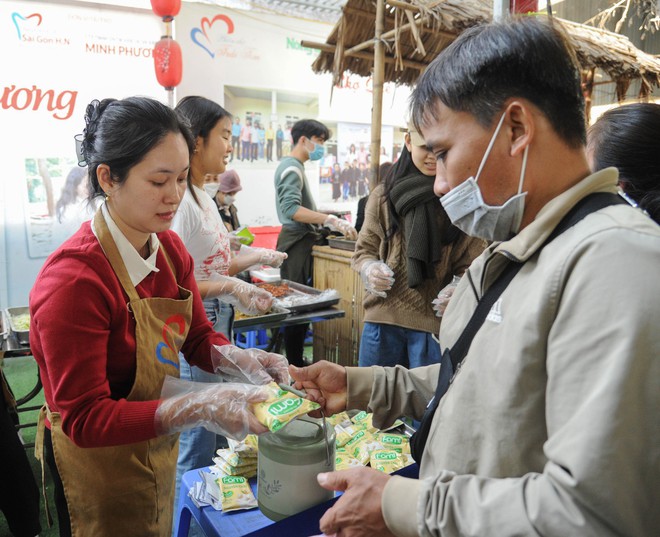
point(229, 199)
point(467, 210)
point(211, 188)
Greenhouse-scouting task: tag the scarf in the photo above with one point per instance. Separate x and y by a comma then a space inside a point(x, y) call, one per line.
point(416, 203)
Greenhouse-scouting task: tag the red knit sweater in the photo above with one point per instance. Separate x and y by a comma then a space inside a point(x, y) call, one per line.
point(83, 338)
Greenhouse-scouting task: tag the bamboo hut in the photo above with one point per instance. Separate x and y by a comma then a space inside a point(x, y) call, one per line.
point(394, 41)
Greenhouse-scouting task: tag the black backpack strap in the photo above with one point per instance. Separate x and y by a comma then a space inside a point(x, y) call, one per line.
point(451, 359)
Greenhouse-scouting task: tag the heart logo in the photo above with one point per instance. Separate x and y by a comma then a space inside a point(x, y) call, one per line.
point(200, 36)
point(15, 17)
point(170, 338)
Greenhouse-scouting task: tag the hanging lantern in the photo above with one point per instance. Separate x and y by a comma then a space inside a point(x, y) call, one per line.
point(168, 63)
point(166, 9)
point(522, 6)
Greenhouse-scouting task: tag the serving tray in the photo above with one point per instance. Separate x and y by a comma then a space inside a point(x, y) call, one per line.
point(301, 298)
point(22, 336)
point(277, 313)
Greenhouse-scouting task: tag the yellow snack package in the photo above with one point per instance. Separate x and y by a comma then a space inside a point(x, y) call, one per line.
point(342, 418)
point(343, 433)
point(246, 447)
point(281, 407)
point(365, 420)
point(360, 445)
point(396, 442)
point(343, 460)
point(228, 469)
point(387, 460)
point(237, 459)
point(235, 493)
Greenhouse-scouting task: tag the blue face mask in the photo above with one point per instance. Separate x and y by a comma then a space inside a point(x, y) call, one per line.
point(318, 152)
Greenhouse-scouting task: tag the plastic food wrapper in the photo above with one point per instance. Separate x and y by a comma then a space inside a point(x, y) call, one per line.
point(344, 433)
point(386, 460)
point(237, 460)
point(248, 298)
point(246, 447)
point(235, 493)
point(281, 407)
point(228, 469)
point(344, 460)
point(253, 366)
point(365, 419)
point(445, 294)
point(361, 445)
point(222, 408)
point(394, 442)
point(341, 418)
point(293, 300)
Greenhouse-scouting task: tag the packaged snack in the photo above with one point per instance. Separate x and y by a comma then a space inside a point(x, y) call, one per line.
point(281, 407)
point(246, 447)
point(386, 460)
point(396, 442)
point(228, 469)
point(345, 432)
point(342, 418)
point(237, 460)
point(235, 493)
point(343, 460)
point(360, 445)
point(364, 419)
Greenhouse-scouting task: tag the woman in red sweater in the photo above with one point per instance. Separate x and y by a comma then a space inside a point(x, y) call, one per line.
point(111, 308)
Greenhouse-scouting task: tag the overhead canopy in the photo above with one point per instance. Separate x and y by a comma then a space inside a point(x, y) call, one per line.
point(415, 31)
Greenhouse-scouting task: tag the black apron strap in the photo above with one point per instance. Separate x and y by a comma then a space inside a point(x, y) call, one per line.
point(451, 360)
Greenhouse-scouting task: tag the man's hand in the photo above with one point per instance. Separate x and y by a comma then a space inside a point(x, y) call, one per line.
point(357, 512)
point(324, 382)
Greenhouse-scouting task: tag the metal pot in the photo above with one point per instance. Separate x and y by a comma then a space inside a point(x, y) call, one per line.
point(288, 463)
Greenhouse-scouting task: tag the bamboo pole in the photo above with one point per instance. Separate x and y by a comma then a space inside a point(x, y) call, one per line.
point(362, 55)
point(378, 79)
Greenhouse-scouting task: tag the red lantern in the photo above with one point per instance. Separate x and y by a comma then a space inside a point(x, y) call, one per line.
point(168, 63)
point(522, 6)
point(167, 9)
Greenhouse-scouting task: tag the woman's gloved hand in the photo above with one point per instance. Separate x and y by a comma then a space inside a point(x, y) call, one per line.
point(377, 277)
point(440, 303)
point(222, 408)
point(248, 298)
point(342, 226)
point(254, 366)
point(249, 256)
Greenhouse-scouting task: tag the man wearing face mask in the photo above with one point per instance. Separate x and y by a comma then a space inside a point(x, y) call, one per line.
point(542, 418)
point(300, 220)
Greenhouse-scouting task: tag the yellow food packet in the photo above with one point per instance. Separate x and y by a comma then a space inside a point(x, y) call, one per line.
point(343, 433)
point(235, 493)
point(228, 469)
point(360, 445)
point(237, 459)
point(342, 418)
point(396, 442)
point(246, 447)
point(387, 460)
point(281, 407)
point(343, 460)
point(364, 419)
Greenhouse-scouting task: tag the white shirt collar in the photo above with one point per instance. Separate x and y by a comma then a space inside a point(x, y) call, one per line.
point(138, 268)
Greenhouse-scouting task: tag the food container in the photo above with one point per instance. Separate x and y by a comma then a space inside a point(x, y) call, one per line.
point(289, 461)
point(266, 274)
point(16, 317)
point(342, 244)
point(277, 313)
point(300, 298)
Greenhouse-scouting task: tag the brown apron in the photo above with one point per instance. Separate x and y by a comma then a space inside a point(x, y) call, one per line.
point(129, 489)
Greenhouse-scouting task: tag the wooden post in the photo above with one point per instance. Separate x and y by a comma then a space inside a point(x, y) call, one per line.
point(377, 86)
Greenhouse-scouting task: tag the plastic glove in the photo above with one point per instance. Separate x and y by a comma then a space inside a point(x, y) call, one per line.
point(260, 256)
point(440, 303)
point(222, 408)
point(248, 298)
point(342, 226)
point(253, 366)
point(377, 278)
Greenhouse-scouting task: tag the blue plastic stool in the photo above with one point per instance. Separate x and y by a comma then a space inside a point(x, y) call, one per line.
point(254, 339)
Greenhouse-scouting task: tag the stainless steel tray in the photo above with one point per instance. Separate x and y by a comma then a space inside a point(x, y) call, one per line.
point(300, 290)
point(22, 336)
point(342, 244)
point(277, 313)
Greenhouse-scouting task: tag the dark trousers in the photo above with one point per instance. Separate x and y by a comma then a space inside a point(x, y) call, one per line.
point(269, 150)
point(19, 493)
point(235, 146)
point(297, 267)
point(63, 520)
point(278, 149)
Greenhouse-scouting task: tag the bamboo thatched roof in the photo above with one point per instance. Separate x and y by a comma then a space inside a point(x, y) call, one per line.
point(417, 30)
